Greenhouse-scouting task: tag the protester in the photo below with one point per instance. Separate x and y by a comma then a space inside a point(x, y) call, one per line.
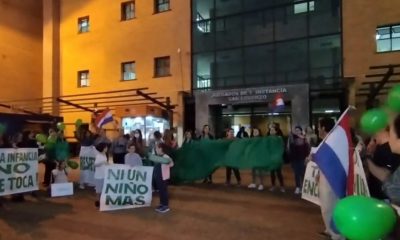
point(169, 140)
point(28, 140)
point(230, 136)
point(119, 147)
point(155, 141)
point(277, 172)
point(206, 135)
point(50, 161)
point(391, 181)
point(188, 138)
point(256, 173)
point(102, 138)
point(100, 171)
point(242, 133)
point(132, 158)
point(17, 142)
point(380, 153)
point(327, 196)
point(137, 140)
point(298, 152)
point(60, 174)
point(311, 137)
point(161, 176)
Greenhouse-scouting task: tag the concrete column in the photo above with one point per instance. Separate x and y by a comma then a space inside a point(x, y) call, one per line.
point(51, 52)
point(300, 110)
point(202, 112)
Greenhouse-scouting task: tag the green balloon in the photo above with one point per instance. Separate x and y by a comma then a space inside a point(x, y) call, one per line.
point(393, 100)
point(62, 150)
point(72, 164)
point(374, 120)
point(52, 140)
point(78, 122)
point(363, 218)
point(60, 126)
point(41, 138)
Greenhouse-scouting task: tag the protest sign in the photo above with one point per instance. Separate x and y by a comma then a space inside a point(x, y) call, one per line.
point(126, 187)
point(310, 184)
point(62, 189)
point(18, 170)
point(87, 157)
point(311, 178)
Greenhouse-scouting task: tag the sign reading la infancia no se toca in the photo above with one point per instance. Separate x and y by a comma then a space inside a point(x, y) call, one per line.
point(249, 94)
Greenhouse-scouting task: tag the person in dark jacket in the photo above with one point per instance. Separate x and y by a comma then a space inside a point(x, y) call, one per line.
point(28, 140)
point(380, 153)
point(242, 133)
point(299, 149)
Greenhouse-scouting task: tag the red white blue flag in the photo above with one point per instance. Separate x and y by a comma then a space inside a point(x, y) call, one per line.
point(103, 118)
point(334, 157)
point(278, 103)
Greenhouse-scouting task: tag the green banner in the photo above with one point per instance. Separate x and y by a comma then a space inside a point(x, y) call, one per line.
point(197, 160)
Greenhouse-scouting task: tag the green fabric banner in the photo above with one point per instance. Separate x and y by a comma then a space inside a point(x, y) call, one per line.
point(197, 160)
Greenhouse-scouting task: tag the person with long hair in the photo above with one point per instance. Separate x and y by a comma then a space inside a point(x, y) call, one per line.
point(137, 140)
point(230, 136)
point(299, 150)
point(169, 139)
point(256, 173)
point(188, 138)
point(206, 135)
point(277, 172)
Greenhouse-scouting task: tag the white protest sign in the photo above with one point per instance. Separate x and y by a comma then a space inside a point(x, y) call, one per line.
point(87, 156)
point(18, 170)
point(62, 189)
point(310, 185)
point(126, 187)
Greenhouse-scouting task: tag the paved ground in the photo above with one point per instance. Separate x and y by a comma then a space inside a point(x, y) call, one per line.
point(197, 212)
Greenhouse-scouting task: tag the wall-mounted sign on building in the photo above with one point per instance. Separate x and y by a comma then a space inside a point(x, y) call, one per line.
point(249, 94)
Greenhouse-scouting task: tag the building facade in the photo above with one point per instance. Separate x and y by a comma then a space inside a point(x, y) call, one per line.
point(370, 38)
point(243, 48)
point(20, 51)
point(104, 46)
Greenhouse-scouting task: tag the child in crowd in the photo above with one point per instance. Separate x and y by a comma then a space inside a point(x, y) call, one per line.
point(60, 174)
point(161, 175)
point(132, 158)
point(99, 172)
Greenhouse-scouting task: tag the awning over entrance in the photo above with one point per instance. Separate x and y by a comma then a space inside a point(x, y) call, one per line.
point(90, 102)
point(378, 83)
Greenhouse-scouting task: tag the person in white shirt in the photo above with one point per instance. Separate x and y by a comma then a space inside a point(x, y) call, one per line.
point(60, 174)
point(100, 168)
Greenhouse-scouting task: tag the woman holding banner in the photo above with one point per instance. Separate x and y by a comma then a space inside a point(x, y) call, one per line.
point(256, 173)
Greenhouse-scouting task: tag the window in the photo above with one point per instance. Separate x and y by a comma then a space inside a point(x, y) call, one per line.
point(83, 78)
point(161, 5)
point(161, 66)
point(127, 10)
point(388, 38)
point(128, 71)
point(303, 7)
point(83, 24)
